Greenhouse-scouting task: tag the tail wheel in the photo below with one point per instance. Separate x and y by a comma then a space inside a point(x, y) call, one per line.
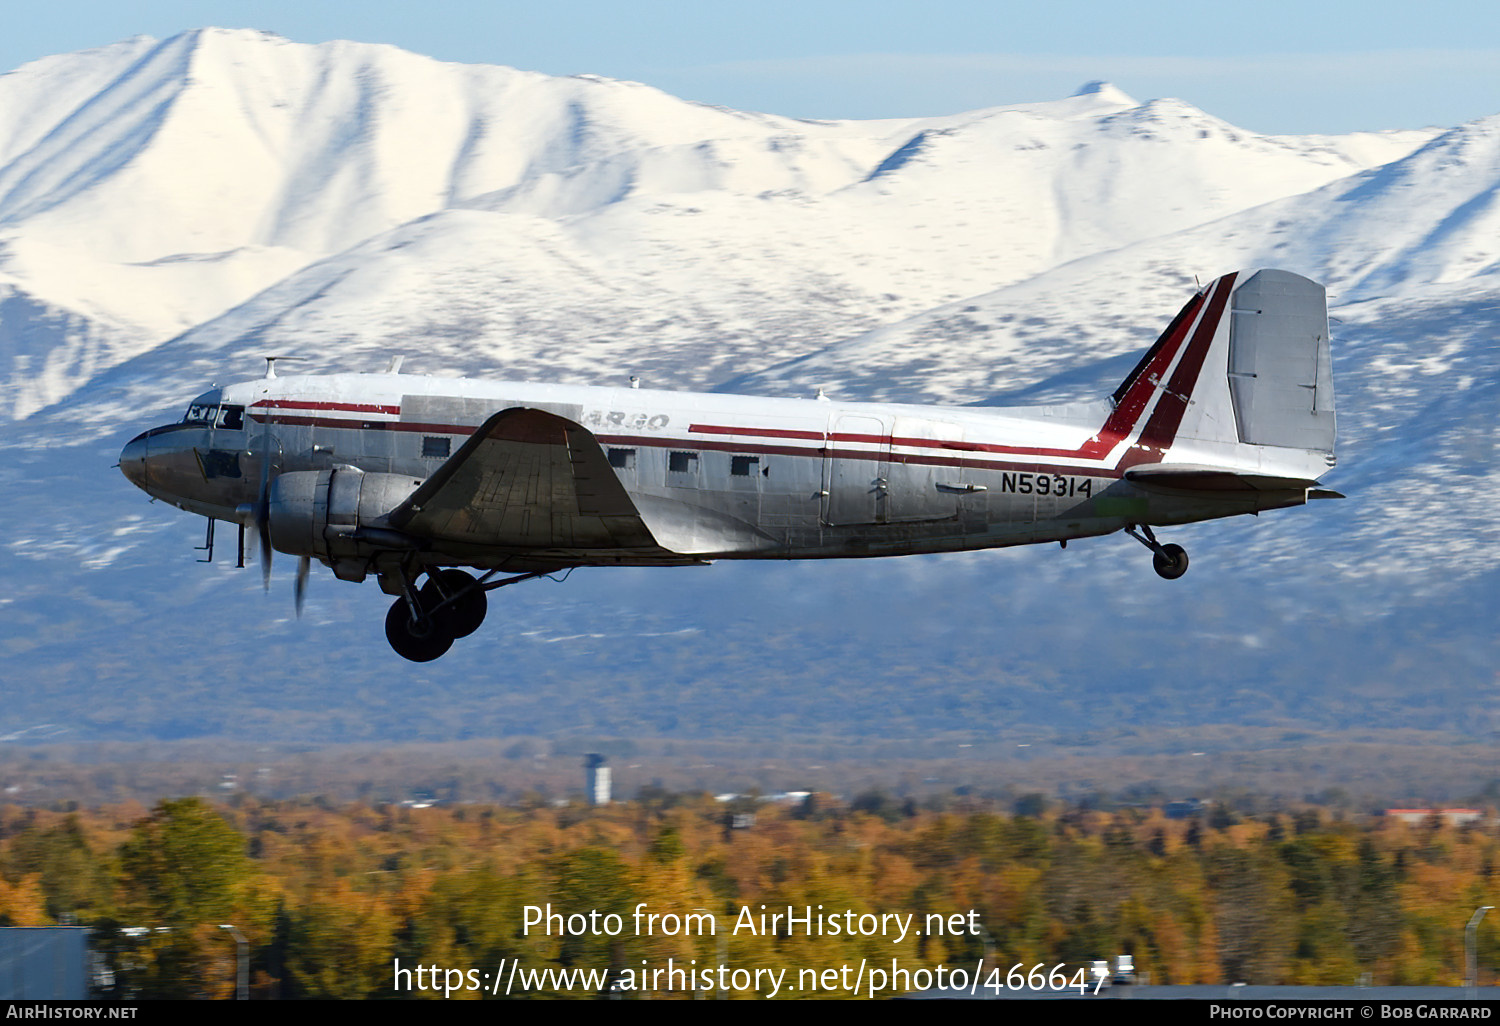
point(464, 615)
point(421, 640)
point(1171, 561)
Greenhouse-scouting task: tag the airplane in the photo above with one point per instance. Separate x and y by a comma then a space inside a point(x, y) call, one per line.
point(412, 479)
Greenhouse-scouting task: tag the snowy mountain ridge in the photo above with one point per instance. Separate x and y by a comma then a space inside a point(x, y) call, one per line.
point(150, 188)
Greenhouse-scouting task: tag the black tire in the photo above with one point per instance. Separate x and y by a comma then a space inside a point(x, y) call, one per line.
point(422, 640)
point(1171, 562)
point(465, 615)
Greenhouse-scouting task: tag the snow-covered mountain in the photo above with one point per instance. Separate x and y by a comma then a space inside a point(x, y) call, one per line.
point(172, 210)
point(212, 184)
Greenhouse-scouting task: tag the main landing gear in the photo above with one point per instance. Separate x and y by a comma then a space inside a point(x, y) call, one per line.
point(1169, 561)
point(424, 622)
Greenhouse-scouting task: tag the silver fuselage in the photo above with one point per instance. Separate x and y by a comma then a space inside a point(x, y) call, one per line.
point(730, 476)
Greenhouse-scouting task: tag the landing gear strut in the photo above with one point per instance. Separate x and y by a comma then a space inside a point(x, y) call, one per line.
point(1169, 561)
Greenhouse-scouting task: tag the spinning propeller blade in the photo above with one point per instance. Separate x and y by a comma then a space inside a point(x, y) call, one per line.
point(263, 507)
point(300, 589)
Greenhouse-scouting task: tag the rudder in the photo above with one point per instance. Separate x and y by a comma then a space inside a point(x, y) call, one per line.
point(1280, 369)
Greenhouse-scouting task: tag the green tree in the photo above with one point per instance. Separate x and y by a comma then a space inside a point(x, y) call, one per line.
point(592, 880)
point(184, 872)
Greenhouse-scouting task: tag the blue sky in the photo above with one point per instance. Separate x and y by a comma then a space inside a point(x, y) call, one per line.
point(1270, 66)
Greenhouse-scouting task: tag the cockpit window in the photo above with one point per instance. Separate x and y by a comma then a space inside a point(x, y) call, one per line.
point(201, 413)
point(210, 412)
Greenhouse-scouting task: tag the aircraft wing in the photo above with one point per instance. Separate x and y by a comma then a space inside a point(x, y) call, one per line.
point(1189, 478)
point(528, 480)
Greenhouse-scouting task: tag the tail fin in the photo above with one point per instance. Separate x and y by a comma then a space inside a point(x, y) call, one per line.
point(1242, 377)
point(1141, 382)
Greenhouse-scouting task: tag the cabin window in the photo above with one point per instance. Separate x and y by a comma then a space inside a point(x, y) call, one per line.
point(622, 459)
point(743, 466)
point(436, 447)
point(683, 462)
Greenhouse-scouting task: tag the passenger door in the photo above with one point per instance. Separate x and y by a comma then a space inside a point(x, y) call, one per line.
point(857, 471)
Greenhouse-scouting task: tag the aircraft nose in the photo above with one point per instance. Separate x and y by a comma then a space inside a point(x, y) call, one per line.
point(133, 460)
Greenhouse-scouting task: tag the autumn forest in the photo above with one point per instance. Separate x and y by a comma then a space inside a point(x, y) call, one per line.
point(328, 897)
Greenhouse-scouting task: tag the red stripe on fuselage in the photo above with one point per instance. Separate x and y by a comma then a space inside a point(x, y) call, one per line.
point(714, 429)
point(349, 423)
point(302, 404)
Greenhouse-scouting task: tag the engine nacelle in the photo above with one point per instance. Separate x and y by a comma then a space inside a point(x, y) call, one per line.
point(318, 513)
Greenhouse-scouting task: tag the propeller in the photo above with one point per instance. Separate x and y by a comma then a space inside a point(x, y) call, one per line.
point(299, 590)
point(262, 514)
point(264, 529)
point(263, 506)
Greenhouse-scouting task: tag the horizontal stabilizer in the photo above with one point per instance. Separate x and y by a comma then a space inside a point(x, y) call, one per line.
point(1188, 478)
